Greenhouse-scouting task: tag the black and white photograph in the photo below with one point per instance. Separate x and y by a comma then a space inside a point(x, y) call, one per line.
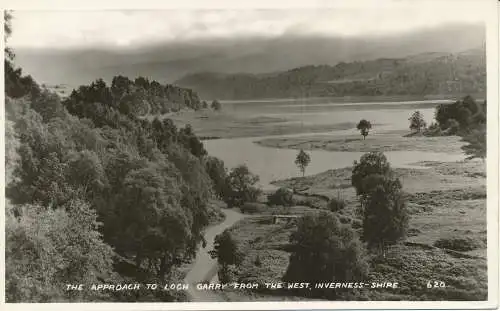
point(335, 155)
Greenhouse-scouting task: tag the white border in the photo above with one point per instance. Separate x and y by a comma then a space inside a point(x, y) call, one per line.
point(492, 158)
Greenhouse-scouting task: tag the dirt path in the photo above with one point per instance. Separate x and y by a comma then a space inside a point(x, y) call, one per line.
point(204, 267)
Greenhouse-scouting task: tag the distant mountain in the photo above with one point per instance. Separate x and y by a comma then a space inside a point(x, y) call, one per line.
point(168, 62)
point(421, 74)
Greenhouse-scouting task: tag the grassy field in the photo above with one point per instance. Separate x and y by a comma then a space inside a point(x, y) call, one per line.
point(447, 202)
point(387, 141)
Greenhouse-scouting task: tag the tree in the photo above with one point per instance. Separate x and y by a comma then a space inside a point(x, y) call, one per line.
point(216, 105)
point(372, 163)
point(476, 143)
point(218, 174)
point(364, 127)
point(150, 221)
point(417, 121)
point(241, 186)
point(385, 216)
point(204, 105)
point(324, 250)
point(465, 113)
point(191, 142)
point(302, 161)
point(227, 253)
point(282, 196)
point(226, 250)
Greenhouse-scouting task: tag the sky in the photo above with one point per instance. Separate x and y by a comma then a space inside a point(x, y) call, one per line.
point(125, 28)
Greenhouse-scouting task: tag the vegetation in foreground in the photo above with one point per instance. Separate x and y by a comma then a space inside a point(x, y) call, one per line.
point(445, 237)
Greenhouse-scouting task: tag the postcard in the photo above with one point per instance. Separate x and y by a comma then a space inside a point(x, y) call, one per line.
point(266, 155)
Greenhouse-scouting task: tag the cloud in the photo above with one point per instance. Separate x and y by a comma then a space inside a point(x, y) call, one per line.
point(64, 29)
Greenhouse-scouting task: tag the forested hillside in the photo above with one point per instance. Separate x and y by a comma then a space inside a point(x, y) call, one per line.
point(97, 195)
point(423, 74)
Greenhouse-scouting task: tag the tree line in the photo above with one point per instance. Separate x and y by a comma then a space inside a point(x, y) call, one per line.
point(460, 73)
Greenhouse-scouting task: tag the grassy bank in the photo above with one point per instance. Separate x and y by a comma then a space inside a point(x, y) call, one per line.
point(447, 202)
point(393, 141)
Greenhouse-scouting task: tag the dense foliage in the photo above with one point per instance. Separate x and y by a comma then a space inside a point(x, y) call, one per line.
point(460, 73)
point(324, 250)
point(466, 118)
point(138, 97)
point(92, 187)
point(467, 112)
point(370, 164)
point(241, 187)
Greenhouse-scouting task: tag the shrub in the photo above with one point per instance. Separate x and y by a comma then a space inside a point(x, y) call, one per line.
point(257, 261)
point(336, 204)
point(282, 196)
point(452, 127)
point(324, 250)
point(356, 223)
point(216, 105)
point(49, 248)
point(253, 207)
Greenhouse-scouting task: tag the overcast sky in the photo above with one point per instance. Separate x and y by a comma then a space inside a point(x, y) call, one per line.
point(70, 29)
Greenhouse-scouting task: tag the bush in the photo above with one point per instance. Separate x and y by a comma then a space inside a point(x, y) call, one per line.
point(452, 127)
point(459, 244)
point(49, 248)
point(324, 250)
point(253, 207)
point(356, 223)
point(282, 196)
point(336, 204)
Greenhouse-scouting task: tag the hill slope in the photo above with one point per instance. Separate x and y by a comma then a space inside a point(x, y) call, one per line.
point(422, 74)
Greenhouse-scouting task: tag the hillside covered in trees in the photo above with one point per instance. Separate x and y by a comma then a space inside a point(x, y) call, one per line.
point(97, 195)
point(422, 74)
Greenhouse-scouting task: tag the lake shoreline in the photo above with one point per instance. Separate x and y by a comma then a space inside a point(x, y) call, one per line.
point(383, 142)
